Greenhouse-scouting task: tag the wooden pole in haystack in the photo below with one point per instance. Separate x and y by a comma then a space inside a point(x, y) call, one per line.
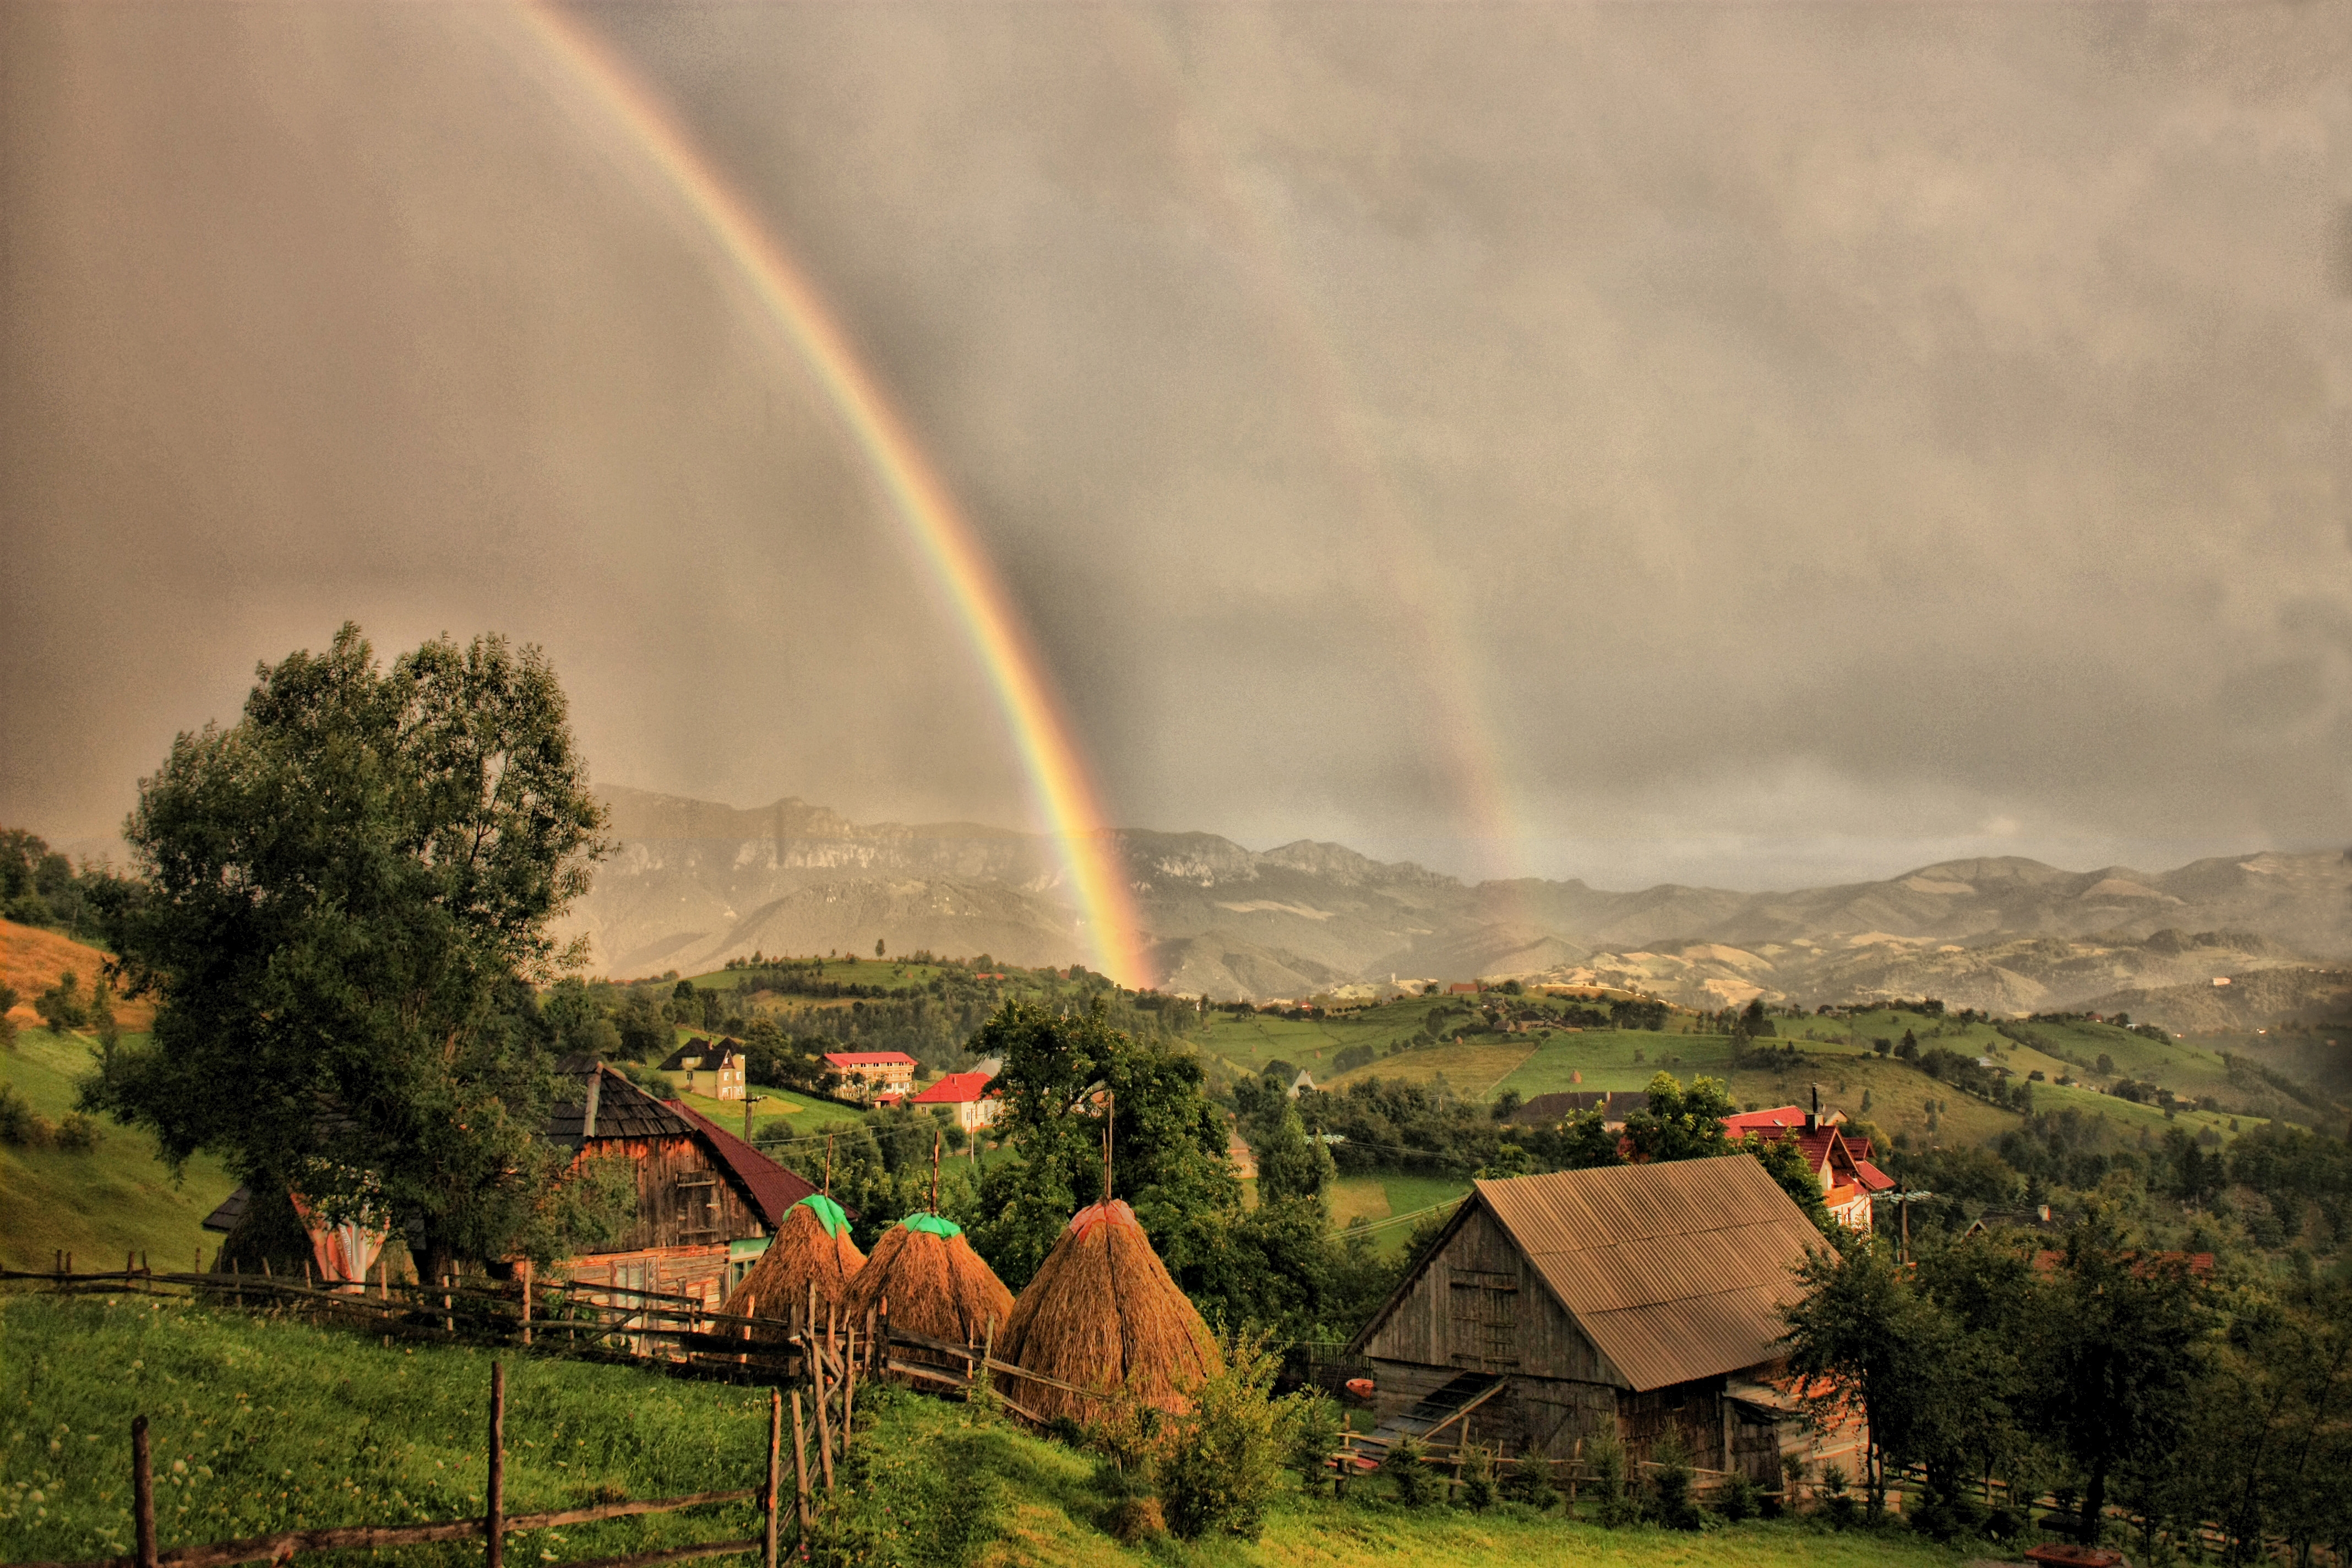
point(935, 1172)
point(142, 1493)
point(828, 1164)
point(494, 1527)
point(775, 1475)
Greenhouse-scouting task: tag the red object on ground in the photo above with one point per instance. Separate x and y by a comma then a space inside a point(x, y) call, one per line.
point(2066, 1554)
point(1362, 1387)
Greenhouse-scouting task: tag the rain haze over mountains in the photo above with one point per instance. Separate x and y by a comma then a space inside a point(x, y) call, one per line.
point(1564, 448)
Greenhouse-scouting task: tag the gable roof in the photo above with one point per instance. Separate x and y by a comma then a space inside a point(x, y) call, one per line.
point(1674, 1270)
point(773, 1189)
point(696, 1053)
point(956, 1088)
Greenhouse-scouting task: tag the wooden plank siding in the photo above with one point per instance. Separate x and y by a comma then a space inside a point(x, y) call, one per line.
point(689, 1210)
point(1449, 1316)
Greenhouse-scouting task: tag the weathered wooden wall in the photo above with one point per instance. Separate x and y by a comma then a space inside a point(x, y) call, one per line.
point(1479, 1305)
point(683, 1199)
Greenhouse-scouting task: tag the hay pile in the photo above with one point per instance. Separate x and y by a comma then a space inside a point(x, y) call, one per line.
point(1104, 1313)
point(812, 1245)
point(936, 1284)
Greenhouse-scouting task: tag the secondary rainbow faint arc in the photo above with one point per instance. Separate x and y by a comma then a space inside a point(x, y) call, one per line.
point(1057, 771)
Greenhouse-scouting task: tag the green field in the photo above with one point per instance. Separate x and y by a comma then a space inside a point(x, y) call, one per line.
point(261, 1424)
point(1616, 1059)
point(98, 1205)
point(887, 972)
point(777, 1112)
point(1252, 1041)
point(1390, 1196)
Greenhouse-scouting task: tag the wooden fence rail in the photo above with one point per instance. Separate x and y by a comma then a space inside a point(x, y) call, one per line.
point(493, 1527)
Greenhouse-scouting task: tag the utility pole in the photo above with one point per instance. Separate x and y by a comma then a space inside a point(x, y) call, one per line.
point(1902, 1201)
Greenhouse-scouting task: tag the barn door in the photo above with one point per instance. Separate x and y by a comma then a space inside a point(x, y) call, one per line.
point(1484, 1320)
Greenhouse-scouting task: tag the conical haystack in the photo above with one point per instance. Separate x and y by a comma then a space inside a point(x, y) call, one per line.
point(812, 1245)
point(1104, 1313)
point(936, 1284)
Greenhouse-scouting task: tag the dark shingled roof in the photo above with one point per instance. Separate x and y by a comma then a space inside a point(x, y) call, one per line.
point(1614, 1105)
point(231, 1210)
point(623, 1109)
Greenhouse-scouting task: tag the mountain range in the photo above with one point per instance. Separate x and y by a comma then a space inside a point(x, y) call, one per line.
point(693, 884)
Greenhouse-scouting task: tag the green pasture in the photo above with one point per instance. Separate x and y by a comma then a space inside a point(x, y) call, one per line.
point(1614, 1060)
point(259, 1425)
point(1389, 1196)
point(1251, 1042)
point(101, 1202)
point(886, 972)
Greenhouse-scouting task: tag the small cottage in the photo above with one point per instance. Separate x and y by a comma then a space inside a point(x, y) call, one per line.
point(971, 1095)
point(714, 1068)
point(1624, 1300)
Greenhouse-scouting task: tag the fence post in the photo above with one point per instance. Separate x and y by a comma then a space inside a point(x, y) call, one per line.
point(142, 1493)
point(799, 1469)
point(848, 1390)
point(775, 1474)
point(494, 1527)
point(824, 1430)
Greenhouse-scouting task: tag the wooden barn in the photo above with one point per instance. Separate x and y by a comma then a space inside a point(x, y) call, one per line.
point(706, 1200)
point(1554, 1308)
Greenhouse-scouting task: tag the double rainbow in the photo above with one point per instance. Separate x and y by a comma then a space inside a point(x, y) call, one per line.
point(1058, 773)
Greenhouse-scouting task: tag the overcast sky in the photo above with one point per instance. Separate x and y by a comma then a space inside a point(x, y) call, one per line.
point(1750, 445)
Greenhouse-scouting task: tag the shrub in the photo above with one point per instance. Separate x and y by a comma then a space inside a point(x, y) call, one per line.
point(1835, 1503)
point(1226, 1463)
point(78, 1133)
point(1739, 1497)
point(1671, 1502)
point(1528, 1481)
point(1415, 1482)
point(1315, 1426)
point(19, 1124)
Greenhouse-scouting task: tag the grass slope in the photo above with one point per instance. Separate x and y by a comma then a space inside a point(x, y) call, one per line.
point(1389, 1196)
point(32, 959)
point(261, 1424)
point(98, 1205)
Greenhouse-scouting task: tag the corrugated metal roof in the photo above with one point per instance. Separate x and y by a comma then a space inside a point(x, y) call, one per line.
point(1674, 1271)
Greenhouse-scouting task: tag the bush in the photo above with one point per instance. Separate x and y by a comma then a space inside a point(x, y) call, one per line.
point(1315, 1426)
point(1836, 1504)
point(1739, 1497)
point(20, 1124)
point(1415, 1483)
point(78, 1133)
point(1226, 1462)
point(1528, 1481)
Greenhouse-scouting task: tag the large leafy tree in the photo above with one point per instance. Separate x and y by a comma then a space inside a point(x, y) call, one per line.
point(344, 895)
point(1063, 1072)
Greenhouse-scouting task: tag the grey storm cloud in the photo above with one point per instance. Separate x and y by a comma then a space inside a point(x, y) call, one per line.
point(1748, 444)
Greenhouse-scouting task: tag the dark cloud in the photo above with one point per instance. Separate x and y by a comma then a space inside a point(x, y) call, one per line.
point(1750, 445)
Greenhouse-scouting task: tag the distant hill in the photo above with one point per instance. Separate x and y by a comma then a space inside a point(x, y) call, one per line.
point(697, 883)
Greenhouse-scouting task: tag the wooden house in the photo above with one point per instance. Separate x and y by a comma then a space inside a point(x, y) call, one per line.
point(703, 1194)
point(1622, 1300)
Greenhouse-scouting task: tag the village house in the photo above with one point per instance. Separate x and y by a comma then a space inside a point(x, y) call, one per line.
point(1627, 1300)
point(1841, 1164)
point(975, 1103)
point(714, 1068)
point(882, 1077)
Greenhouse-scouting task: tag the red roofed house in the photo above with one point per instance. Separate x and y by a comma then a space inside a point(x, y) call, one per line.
point(1845, 1189)
point(877, 1073)
point(975, 1103)
point(1462, 988)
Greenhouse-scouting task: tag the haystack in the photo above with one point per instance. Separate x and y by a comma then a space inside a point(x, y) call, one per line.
point(812, 1246)
point(1104, 1313)
point(936, 1284)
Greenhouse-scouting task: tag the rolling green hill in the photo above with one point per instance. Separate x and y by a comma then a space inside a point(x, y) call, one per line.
point(101, 1202)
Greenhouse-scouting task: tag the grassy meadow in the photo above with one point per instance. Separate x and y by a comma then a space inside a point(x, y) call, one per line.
point(261, 1423)
point(101, 1203)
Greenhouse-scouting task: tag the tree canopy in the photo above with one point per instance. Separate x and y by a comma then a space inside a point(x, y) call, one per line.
point(344, 895)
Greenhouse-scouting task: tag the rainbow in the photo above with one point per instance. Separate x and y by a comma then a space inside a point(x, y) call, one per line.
point(1058, 773)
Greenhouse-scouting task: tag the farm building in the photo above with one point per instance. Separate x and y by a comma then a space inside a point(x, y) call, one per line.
point(968, 1093)
point(1629, 1300)
point(875, 1074)
point(701, 1190)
